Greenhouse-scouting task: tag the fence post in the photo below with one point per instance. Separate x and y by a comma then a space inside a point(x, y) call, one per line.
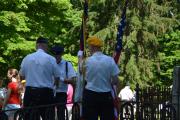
point(137, 102)
point(176, 91)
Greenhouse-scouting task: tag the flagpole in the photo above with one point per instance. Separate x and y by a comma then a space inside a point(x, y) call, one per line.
point(81, 59)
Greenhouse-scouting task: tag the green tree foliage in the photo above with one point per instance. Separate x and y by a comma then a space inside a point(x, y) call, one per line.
point(150, 42)
point(169, 54)
point(72, 59)
point(147, 21)
point(22, 21)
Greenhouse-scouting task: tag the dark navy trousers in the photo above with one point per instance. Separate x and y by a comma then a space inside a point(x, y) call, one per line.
point(35, 97)
point(97, 105)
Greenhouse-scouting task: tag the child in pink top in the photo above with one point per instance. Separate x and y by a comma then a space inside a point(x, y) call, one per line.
point(69, 100)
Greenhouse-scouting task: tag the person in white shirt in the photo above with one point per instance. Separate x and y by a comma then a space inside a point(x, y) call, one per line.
point(41, 72)
point(101, 72)
point(69, 76)
point(126, 94)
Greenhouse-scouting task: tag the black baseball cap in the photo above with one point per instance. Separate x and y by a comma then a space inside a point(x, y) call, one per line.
point(42, 40)
point(57, 49)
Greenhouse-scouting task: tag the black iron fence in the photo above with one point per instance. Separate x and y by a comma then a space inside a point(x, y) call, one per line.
point(45, 112)
point(152, 103)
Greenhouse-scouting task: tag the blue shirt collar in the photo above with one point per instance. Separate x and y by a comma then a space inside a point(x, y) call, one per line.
point(40, 50)
point(97, 53)
point(62, 61)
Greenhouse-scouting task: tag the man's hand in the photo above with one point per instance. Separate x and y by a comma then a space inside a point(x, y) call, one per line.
point(116, 81)
point(117, 102)
point(56, 82)
point(80, 53)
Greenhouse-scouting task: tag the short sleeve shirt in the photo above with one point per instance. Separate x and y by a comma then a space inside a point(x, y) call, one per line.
point(66, 72)
point(14, 96)
point(39, 69)
point(100, 69)
point(126, 94)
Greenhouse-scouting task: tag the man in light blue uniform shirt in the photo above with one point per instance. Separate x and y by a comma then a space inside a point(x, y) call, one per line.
point(39, 69)
point(69, 76)
point(100, 74)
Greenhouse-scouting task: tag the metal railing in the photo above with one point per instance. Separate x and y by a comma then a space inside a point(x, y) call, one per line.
point(150, 104)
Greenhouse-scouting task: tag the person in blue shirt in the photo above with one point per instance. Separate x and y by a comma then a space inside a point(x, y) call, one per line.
point(101, 72)
point(68, 73)
point(41, 72)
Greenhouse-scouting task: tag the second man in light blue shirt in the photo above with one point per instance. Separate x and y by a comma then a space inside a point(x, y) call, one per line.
point(69, 75)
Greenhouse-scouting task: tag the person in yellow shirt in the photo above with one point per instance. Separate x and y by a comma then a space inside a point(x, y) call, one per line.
point(23, 83)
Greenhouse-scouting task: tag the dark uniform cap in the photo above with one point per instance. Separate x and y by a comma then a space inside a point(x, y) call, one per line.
point(57, 50)
point(42, 40)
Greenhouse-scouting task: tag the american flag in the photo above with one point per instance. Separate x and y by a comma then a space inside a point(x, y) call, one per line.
point(117, 54)
point(120, 32)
